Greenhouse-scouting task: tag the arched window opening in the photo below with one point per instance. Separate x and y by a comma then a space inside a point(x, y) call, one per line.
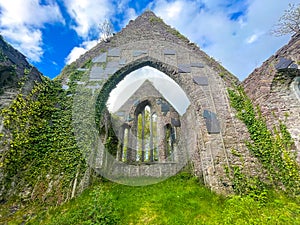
point(154, 138)
point(144, 135)
point(124, 150)
point(169, 142)
point(143, 101)
point(162, 82)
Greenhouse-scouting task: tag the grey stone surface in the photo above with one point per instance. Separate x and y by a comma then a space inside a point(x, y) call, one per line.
point(97, 73)
point(114, 52)
point(203, 81)
point(100, 59)
point(175, 123)
point(274, 90)
point(165, 107)
point(137, 53)
point(111, 70)
point(122, 62)
point(197, 64)
point(169, 52)
point(212, 123)
point(184, 68)
point(210, 153)
point(112, 64)
point(120, 113)
point(136, 102)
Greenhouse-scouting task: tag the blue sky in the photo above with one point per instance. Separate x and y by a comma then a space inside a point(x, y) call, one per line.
point(52, 33)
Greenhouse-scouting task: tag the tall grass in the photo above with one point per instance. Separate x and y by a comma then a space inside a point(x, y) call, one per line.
point(181, 199)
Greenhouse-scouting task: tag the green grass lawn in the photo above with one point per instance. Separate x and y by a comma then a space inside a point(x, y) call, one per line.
point(178, 200)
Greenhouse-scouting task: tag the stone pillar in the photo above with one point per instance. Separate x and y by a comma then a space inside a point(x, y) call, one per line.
point(161, 140)
point(120, 144)
point(151, 138)
point(143, 137)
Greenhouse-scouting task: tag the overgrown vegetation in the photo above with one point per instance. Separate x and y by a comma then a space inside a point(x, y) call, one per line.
point(273, 148)
point(177, 33)
point(154, 19)
point(43, 158)
point(177, 200)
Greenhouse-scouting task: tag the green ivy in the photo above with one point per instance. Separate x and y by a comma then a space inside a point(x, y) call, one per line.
point(271, 147)
point(41, 141)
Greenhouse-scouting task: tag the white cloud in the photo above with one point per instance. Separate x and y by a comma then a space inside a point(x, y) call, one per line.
point(252, 38)
point(122, 5)
point(28, 42)
point(227, 38)
point(130, 14)
point(78, 51)
point(173, 11)
point(88, 15)
point(21, 23)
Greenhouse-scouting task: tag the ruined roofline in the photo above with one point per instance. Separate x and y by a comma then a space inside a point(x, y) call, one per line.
point(148, 26)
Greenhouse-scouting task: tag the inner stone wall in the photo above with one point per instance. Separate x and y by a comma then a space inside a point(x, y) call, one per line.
point(274, 90)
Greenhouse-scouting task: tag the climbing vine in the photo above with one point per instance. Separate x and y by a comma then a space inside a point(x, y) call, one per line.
point(41, 143)
point(272, 147)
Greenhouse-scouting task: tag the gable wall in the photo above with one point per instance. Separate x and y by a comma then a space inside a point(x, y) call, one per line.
point(209, 151)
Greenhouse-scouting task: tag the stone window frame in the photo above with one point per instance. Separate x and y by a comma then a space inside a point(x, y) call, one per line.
point(111, 83)
point(127, 153)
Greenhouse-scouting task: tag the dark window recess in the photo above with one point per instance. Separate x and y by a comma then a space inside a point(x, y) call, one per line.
point(293, 66)
point(212, 122)
point(136, 102)
point(175, 123)
point(165, 108)
point(283, 63)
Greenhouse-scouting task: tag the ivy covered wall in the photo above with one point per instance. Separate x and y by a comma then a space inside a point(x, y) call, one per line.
point(42, 161)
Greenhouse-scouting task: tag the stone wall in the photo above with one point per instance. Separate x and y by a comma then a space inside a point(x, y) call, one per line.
point(275, 90)
point(16, 76)
point(209, 129)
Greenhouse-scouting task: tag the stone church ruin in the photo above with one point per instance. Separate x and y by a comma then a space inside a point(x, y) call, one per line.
point(154, 140)
point(147, 102)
